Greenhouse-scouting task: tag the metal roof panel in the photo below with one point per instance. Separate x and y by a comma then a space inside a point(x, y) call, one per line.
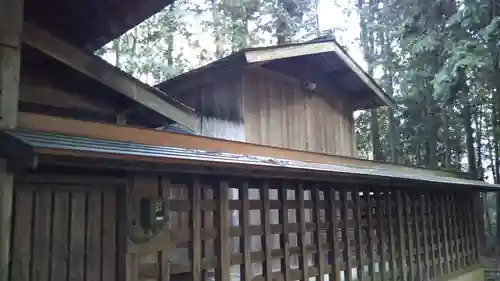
point(85, 144)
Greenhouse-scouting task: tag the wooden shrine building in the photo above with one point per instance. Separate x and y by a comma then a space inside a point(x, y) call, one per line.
point(240, 170)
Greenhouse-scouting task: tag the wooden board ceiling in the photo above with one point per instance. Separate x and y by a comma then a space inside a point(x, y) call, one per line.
point(90, 24)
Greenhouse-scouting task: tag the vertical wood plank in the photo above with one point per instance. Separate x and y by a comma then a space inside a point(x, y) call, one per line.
point(246, 269)
point(467, 222)
point(418, 233)
point(471, 219)
point(164, 257)
point(77, 237)
point(392, 238)
point(302, 236)
point(195, 198)
point(359, 235)
point(109, 225)
point(432, 231)
point(451, 235)
point(345, 236)
point(409, 238)
point(319, 243)
point(11, 21)
point(23, 228)
point(437, 226)
point(222, 271)
point(424, 200)
point(456, 248)
point(41, 237)
point(266, 236)
point(93, 244)
point(371, 250)
point(332, 237)
point(131, 261)
point(60, 230)
point(444, 224)
point(401, 237)
point(6, 179)
point(461, 229)
point(477, 212)
point(284, 243)
point(381, 235)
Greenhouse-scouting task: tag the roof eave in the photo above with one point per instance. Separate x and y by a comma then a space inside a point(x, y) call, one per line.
point(283, 52)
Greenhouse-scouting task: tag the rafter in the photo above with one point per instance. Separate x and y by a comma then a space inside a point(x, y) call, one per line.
point(104, 73)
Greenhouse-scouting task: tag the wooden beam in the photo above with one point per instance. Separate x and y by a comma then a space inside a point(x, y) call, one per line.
point(43, 123)
point(104, 73)
point(60, 98)
point(284, 52)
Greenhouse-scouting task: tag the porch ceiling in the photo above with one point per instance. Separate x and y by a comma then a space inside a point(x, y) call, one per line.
point(76, 150)
point(90, 24)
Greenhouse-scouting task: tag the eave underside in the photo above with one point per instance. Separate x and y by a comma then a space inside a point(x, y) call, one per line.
point(90, 24)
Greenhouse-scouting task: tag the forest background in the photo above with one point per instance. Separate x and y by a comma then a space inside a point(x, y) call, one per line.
point(439, 59)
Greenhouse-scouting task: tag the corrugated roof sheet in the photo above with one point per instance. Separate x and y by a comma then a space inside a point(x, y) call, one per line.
point(85, 144)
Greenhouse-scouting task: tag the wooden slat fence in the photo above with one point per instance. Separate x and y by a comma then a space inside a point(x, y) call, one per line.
point(231, 229)
point(64, 230)
point(289, 230)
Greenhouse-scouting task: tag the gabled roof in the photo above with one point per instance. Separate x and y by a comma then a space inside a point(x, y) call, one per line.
point(36, 146)
point(320, 60)
point(90, 24)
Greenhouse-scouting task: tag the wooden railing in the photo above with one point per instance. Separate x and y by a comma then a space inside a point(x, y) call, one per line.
point(248, 229)
point(237, 228)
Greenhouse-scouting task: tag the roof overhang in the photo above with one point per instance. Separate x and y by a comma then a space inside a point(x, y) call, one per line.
point(316, 48)
point(60, 149)
point(324, 53)
point(98, 70)
point(90, 24)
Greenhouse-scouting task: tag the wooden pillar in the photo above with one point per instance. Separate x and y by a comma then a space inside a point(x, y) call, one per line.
point(6, 194)
point(11, 19)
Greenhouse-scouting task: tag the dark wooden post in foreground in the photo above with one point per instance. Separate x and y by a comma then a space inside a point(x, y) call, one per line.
point(11, 19)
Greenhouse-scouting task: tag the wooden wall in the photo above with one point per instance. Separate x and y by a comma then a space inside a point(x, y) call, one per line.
point(50, 90)
point(279, 112)
point(264, 107)
point(64, 228)
point(219, 103)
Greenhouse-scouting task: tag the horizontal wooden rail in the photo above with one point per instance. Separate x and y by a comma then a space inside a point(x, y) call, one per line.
point(44, 123)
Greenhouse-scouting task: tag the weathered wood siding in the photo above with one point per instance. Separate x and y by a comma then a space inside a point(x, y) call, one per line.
point(264, 107)
point(45, 91)
point(219, 103)
point(64, 228)
point(279, 112)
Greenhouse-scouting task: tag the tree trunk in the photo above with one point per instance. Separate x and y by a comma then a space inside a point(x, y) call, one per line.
point(467, 122)
point(430, 132)
point(479, 157)
point(170, 43)
point(469, 135)
point(389, 89)
point(377, 149)
point(117, 51)
point(492, 160)
point(219, 43)
point(446, 141)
